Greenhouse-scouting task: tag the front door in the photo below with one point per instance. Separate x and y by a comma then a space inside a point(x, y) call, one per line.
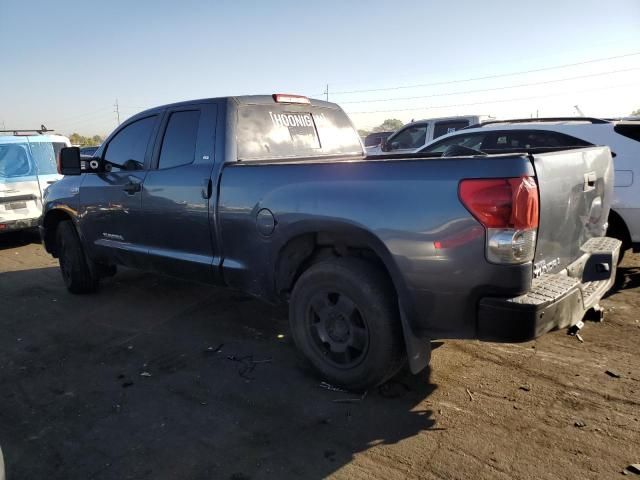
point(176, 193)
point(111, 201)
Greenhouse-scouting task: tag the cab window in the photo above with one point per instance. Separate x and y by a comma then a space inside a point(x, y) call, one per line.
point(409, 138)
point(129, 146)
point(510, 139)
point(179, 142)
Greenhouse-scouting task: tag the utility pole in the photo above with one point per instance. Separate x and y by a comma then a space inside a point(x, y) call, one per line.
point(117, 110)
point(326, 92)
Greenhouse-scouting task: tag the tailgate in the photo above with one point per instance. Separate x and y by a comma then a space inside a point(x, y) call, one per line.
point(575, 188)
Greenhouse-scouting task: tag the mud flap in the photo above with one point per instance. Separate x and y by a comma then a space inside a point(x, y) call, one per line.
point(418, 349)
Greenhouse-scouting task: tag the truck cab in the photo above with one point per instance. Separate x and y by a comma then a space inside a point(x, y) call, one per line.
point(415, 135)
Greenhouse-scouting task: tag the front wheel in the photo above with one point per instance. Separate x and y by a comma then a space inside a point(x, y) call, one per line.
point(345, 320)
point(76, 270)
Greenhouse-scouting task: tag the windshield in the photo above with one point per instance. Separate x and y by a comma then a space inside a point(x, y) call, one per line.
point(287, 131)
point(14, 161)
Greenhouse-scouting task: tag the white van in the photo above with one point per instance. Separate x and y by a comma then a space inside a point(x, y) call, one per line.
point(28, 164)
point(415, 135)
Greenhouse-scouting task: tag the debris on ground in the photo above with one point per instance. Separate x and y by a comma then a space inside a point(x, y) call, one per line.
point(579, 337)
point(145, 374)
point(248, 364)
point(580, 424)
point(526, 388)
point(210, 350)
point(470, 395)
point(573, 330)
point(613, 374)
point(332, 388)
point(351, 400)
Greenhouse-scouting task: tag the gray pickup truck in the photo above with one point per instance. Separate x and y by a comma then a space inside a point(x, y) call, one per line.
point(272, 195)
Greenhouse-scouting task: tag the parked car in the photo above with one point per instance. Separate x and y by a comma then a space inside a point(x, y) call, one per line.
point(415, 135)
point(88, 151)
point(27, 167)
point(376, 138)
point(622, 136)
point(272, 195)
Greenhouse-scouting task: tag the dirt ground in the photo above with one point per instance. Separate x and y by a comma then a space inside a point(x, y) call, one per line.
point(156, 378)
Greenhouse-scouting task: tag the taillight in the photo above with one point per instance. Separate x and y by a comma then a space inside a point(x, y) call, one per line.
point(508, 208)
point(290, 98)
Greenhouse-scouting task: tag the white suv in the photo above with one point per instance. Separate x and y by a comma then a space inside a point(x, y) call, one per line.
point(622, 137)
point(28, 165)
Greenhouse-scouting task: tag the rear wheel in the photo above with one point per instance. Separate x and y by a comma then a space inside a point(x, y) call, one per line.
point(345, 320)
point(75, 267)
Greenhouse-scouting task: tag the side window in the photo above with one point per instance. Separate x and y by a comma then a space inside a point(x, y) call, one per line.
point(411, 137)
point(470, 140)
point(179, 142)
point(44, 155)
point(450, 126)
point(536, 139)
point(130, 144)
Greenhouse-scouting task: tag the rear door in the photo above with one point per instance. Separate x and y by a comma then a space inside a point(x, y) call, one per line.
point(576, 188)
point(20, 198)
point(177, 191)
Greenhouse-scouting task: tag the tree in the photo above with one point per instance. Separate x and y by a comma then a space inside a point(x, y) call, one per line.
point(389, 125)
point(363, 133)
point(77, 139)
point(636, 112)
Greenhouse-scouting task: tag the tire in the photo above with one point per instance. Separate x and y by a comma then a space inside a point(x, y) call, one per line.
point(75, 267)
point(345, 320)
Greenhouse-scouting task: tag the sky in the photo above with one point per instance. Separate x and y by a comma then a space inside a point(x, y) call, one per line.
point(66, 63)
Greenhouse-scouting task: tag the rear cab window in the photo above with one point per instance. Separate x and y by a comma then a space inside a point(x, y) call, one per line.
point(448, 126)
point(267, 132)
point(179, 142)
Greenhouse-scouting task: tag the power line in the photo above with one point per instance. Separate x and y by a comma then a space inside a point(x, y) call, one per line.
point(486, 77)
point(544, 82)
point(491, 101)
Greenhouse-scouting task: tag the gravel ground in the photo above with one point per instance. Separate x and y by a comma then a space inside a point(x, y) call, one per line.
point(158, 378)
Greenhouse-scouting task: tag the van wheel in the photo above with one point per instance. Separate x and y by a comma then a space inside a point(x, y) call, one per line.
point(345, 320)
point(76, 270)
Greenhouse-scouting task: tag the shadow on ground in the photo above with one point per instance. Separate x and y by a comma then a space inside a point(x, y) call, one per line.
point(158, 378)
point(18, 239)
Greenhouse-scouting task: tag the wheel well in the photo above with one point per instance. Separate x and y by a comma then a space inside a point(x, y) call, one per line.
point(305, 250)
point(618, 229)
point(50, 224)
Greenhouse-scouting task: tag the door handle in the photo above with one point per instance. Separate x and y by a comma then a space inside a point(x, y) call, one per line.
point(132, 187)
point(207, 187)
point(589, 181)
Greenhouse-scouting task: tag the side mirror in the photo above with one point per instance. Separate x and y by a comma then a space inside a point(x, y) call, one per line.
point(69, 161)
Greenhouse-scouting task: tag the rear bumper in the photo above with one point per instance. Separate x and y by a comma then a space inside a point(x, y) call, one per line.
point(22, 224)
point(556, 300)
